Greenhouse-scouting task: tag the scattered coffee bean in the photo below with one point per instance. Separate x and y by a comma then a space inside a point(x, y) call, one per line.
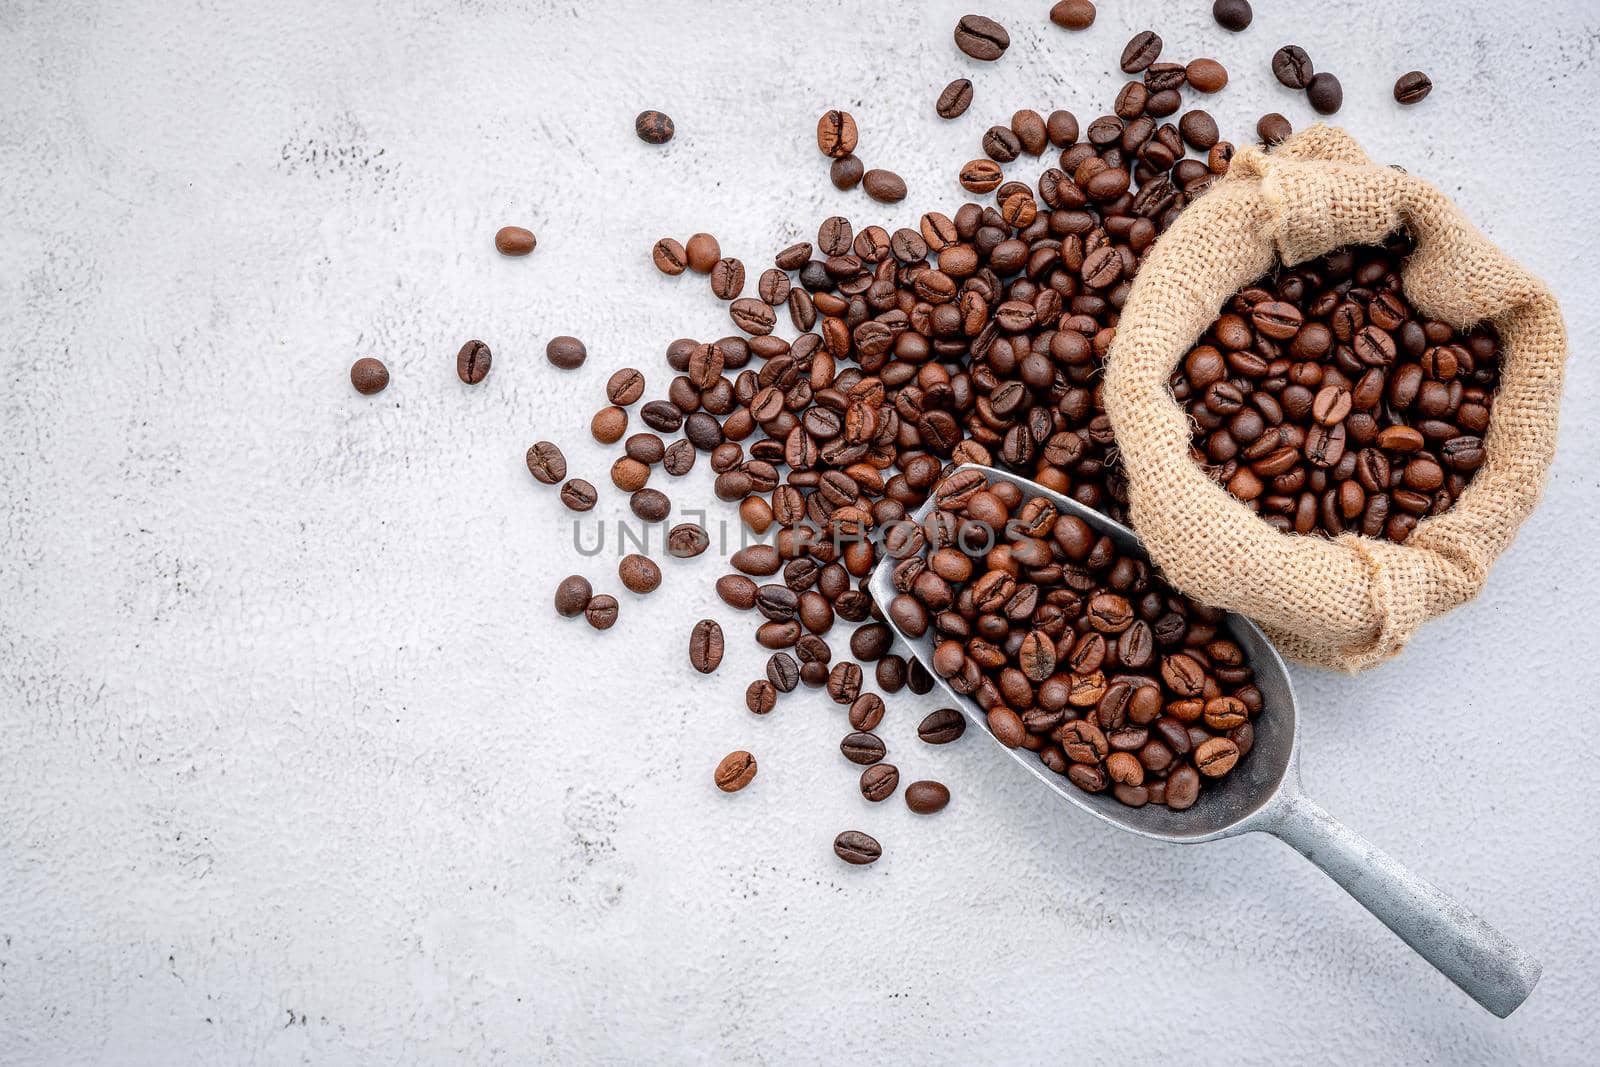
point(926, 797)
point(609, 424)
point(1206, 75)
point(1412, 87)
point(867, 711)
point(737, 591)
point(1073, 14)
point(942, 726)
point(735, 771)
point(844, 682)
point(601, 611)
point(678, 459)
point(861, 747)
point(568, 353)
point(369, 376)
point(625, 387)
point(669, 256)
point(836, 134)
point(639, 574)
point(629, 474)
point(514, 241)
point(578, 495)
point(884, 186)
point(1273, 129)
point(879, 781)
point(760, 697)
point(727, 278)
point(653, 127)
point(981, 38)
point(650, 505)
point(1328, 405)
point(1325, 93)
point(705, 646)
point(702, 253)
point(573, 595)
point(1232, 15)
point(1143, 50)
point(954, 99)
point(1292, 66)
point(846, 172)
point(855, 847)
point(546, 463)
point(981, 175)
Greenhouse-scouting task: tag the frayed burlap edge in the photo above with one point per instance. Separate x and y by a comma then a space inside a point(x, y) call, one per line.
point(1351, 602)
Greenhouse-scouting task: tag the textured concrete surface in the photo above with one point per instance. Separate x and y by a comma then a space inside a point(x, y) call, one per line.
point(297, 764)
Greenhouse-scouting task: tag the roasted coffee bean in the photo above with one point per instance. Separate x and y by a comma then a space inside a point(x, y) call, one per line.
point(981, 38)
point(625, 387)
point(735, 771)
point(857, 848)
point(879, 781)
point(1199, 130)
point(942, 726)
point(369, 376)
point(846, 172)
point(546, 463)
point(639, 573)
point(669, 256)
point(866, 711)
point(783, 672)
point(1325, 93)
point(472, 362)
point(687, 540)
point(705, 646)
point(727, 280)
point(1206, 75)
point(861, 747)
point(1412, 86)
point(1232, 15)
point(884, 186)
point(653, 127)
point(608, 425)
point(737, 591)
point(514, 241)
point(578, 495)
point(844, 682)
point(926, 798)
point(1292, 66)
point(1143, 50)
point(651, 505)
point(1273, 129)
point(703, 251)
point(568, 353)
point(836, 134)
point(954, 99)
point(1073, 14)
point(760, 697)
point(662, 416)
point(601, 611)
point(573, 595)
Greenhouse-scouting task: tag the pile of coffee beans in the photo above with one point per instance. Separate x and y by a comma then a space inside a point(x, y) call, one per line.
point(1075, 650)
point(1325, 402)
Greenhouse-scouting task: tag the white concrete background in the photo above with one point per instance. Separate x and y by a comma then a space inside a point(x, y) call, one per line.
point(296, 762)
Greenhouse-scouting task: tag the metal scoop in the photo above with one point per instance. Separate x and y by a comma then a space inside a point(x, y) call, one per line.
point(1263, 795)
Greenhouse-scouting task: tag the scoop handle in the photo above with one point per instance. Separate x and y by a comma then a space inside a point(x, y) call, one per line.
point(1464, 948)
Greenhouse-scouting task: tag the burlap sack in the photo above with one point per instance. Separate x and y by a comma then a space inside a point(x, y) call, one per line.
point(1350, 602)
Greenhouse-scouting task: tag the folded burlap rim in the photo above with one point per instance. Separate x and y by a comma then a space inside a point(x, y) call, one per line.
point(1350, 602)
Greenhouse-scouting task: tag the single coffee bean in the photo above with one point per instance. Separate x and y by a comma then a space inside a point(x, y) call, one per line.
point(942, 726)
point(669, 256)
point(369, 376)
point(702, 252)
point(678, 459)
point(737, 591)
point(981, 38)
point(687, 540)
point(1292, 66)
point(863, 748)
point(1412, 86)
point(981, 175)
point(1073, 14)
point(954, 99)
point(1232, 15)
point(783, 672)
point(884, 186)
point(625, 387)
point(601, 611)
point(651, 505)
point(727, 279)
point(844, 682)
point(760, 697)
point(735, 771)
point(1216, 756)
point(1143, 50)
point(1199, 130)
point(1273, 129)
point(573, 595)
point(705, 646)
point(1325, 93)
point(653, 127)
point(514, 241)
point(662, 416)
point(1206, 75)
point(836, 134)
point(927, 797)
point(867, 711)
point(855, 847)
point(578, 495)
point(639, 573)
point(568, 353)
point(609, 424)
point(546, 463)
point(879, 781)
point(846, 171)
